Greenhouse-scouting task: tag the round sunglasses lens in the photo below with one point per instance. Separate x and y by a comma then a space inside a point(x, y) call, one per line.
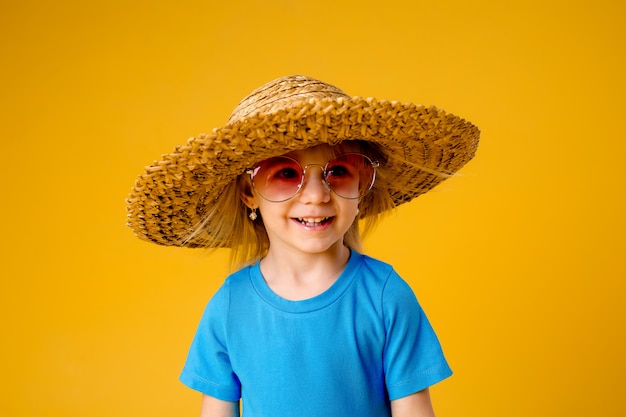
point(277, 179)
point(350, 175)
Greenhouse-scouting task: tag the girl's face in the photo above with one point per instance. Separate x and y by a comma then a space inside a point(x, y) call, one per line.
point(316, 219)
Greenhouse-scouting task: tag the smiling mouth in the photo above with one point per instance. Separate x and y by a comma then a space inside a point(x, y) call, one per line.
point(311, 222)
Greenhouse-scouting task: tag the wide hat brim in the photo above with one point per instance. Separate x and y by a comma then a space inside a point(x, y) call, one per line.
point(425, 145)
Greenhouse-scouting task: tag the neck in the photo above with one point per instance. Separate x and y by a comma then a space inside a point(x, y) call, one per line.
point(298, 276)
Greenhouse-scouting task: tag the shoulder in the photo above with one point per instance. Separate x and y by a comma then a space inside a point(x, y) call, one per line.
point(374, 268)
point(383, 274)
point(379, 282)
point(373, 263)
point(238, 278)
point(233, 286)
point(395, 295)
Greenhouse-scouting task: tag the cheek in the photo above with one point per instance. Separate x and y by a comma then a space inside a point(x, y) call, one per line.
point(351, 208)
point(270, 211)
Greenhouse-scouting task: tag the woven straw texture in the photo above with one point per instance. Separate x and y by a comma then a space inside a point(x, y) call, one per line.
point(425, 145)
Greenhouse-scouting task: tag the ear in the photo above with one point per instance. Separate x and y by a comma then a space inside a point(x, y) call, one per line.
point(247, 195)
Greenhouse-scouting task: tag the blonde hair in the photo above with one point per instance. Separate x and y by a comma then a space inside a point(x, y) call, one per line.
point(227, 218)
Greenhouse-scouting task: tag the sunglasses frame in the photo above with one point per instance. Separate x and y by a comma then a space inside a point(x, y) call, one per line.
point(303, 170)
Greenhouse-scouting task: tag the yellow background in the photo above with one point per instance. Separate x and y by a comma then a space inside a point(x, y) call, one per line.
point(519, 262)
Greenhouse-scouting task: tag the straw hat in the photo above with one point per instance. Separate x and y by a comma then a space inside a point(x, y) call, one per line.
point(425, 146)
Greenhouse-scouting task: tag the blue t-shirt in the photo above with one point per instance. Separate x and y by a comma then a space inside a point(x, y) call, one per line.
point(348, 351)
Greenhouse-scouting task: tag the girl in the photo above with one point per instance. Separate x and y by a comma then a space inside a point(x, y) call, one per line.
point(309, 326)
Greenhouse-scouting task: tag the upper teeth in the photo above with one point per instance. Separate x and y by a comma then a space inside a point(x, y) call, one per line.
point(311, 220)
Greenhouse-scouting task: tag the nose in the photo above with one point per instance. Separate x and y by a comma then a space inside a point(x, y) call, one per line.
point(314, 188)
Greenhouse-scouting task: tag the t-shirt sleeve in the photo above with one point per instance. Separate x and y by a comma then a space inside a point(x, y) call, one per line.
point(208, 368)
point(413, 358)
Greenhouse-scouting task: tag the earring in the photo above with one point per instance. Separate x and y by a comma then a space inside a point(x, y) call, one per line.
point(357, 211)
point(253, 216)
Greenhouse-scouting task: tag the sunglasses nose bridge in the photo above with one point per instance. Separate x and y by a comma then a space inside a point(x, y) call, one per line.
point(321, 167)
